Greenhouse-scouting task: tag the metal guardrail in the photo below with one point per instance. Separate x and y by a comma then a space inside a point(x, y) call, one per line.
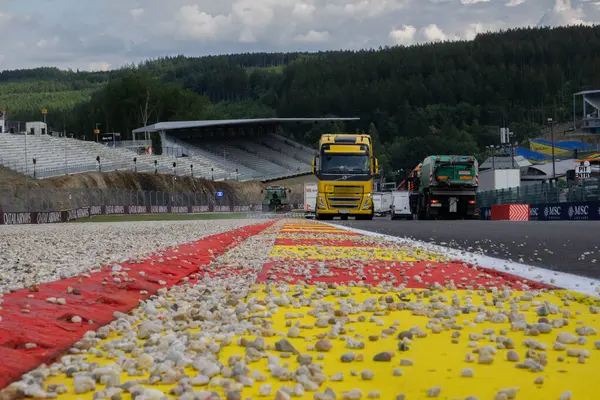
point(584, 190)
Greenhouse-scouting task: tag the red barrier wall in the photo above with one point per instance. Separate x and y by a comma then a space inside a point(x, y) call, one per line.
point(510, 212)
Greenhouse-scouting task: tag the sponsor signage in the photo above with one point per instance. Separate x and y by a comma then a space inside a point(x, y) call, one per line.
point(26, 218)
point(573, 211)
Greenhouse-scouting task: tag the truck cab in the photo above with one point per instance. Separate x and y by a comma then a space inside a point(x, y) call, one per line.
point(345, 168)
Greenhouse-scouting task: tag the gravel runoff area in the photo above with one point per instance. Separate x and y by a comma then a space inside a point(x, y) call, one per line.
point(193, 338)
point(31, 254)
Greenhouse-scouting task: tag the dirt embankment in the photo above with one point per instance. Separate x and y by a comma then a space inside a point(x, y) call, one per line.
point(130, 181)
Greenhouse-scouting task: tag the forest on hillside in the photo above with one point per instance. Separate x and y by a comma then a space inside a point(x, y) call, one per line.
point(417, 100)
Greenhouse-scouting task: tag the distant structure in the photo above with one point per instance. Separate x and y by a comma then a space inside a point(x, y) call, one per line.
point(591, 111)
point(3, 118)
point(243, 150)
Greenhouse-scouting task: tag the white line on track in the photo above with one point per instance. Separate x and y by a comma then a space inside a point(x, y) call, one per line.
point(576, 283)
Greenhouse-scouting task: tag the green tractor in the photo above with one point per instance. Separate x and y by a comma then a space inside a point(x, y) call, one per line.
point(276, 199)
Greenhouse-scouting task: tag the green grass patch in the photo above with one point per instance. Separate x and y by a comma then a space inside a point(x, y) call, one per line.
point(162, 217)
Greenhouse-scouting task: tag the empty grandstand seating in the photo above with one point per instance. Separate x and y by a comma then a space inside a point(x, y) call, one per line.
point(267, 157)
point(58, 156)
point(531, 155)
point(243, 159)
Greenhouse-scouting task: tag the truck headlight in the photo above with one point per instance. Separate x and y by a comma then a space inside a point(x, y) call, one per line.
point(367, 203)
point(321, 202)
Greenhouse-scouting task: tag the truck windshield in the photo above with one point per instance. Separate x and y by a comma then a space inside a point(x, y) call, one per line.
point(345, 163)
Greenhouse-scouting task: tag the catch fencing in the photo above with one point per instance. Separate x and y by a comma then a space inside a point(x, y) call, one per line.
point(39, 206)
point(45, 200)
point(541, 193)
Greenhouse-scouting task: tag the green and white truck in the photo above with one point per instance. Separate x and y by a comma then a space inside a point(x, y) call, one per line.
point(444, 186)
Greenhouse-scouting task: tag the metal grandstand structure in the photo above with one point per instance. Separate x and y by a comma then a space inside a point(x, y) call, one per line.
point(245, 149)
point(591, 111)
point(250, 149)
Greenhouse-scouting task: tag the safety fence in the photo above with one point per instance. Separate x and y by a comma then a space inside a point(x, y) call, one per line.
point(583, 190)
point(45, 200)
point(35, 205)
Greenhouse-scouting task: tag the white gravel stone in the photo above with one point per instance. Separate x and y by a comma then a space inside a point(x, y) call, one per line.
point(34, 254)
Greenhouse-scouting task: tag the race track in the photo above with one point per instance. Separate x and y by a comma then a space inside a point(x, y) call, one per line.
point(566, 246)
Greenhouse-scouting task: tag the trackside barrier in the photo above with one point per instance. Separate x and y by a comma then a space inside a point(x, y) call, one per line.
point(24, 218)
point(572, 211)
point(510, 212)
point(568, 211)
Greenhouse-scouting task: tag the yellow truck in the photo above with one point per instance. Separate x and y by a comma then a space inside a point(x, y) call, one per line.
point(345, 168)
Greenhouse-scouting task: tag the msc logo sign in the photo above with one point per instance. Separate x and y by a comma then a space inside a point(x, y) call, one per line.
point(579, 212)
point(554, 211)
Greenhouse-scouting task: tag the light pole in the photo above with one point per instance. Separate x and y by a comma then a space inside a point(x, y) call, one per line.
point(26, 169)
point(44, 113)
point(493, 148)
point(65, 133)
point(551, 123)
point(173, 193)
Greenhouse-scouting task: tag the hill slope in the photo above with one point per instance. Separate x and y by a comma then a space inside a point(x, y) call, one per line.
point(435, 98)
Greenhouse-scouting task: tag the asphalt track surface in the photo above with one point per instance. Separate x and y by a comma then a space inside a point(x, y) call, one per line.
point(566, 246)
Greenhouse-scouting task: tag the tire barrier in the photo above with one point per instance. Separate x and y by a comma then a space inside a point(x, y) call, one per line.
point(568, 211)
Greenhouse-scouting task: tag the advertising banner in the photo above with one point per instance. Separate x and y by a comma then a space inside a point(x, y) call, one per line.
point(572, 211)
point(26, 218)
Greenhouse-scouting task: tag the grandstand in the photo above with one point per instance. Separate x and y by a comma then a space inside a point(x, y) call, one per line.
point(562, 148)
point(254, 153)
point(532, 156)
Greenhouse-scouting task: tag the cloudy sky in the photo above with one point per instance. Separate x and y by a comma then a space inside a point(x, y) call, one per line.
point(101, 34)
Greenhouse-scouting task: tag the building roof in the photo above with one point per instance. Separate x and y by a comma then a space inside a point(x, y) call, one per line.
point(167, 126)
point(500, 162)
point(546, 169)
point(586, 92)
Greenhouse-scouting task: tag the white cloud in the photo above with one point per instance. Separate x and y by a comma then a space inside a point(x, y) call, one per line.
point(404, 36)
point(313, 37)
point(303, 10)
point(563, 13)
point(432, 33)
point(99, 66)
point(47, 43)
point(80, 34)
point(136, 13)
point(192, 23)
